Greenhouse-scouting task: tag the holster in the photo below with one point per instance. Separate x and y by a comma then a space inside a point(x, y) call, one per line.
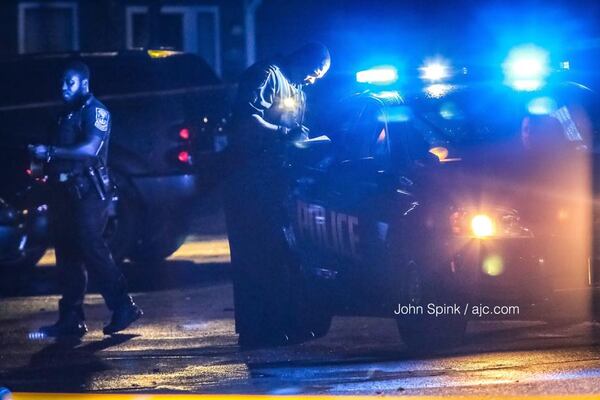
point(76, 185)
point(105, 181)
point(100, 181)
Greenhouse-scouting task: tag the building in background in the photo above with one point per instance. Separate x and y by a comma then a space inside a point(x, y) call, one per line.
point(221, 31)
point(232, 34)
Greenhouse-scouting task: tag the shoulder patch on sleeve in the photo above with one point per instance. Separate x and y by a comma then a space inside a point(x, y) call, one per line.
point(102, 117)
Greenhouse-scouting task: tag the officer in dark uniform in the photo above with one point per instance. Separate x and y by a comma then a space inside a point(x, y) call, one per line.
point(268, 115)
point(80, 196)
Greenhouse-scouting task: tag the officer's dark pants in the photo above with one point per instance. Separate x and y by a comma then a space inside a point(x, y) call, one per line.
point(78, 226)
point(254, 206)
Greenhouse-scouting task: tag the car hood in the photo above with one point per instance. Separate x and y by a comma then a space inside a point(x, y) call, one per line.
point(540, 189)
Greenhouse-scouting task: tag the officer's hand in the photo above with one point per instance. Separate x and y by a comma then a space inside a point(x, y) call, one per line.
point(39, 151)
point(298, 133)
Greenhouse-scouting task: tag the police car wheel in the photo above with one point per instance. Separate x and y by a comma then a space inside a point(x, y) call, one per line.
point(256, 323)
point(311, 316)
point(421, 331)
point(284, 316)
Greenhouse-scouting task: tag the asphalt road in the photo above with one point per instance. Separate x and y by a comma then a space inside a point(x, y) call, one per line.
point(186, 342)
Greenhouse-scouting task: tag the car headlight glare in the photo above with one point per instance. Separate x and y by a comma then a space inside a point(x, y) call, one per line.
point(482, 226)
point(498, 223)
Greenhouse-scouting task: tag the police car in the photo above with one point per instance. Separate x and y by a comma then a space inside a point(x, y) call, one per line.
point(449, 202)
point(167, 109)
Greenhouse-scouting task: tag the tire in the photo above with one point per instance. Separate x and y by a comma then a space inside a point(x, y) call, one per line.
point(256, 327)
point(35, 232)
point(306, 315)
point(17, 273)
point(29, 259)
point(311, 316)
point(158, 247)
point(126, 236)
point(423, 333)
point(25, 264)
point(121, 227)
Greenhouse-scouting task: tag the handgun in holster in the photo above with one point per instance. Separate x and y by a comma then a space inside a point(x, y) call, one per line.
point(100, 178)
point(97, 182)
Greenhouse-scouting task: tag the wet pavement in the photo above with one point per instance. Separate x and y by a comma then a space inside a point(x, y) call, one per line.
point(186, 342)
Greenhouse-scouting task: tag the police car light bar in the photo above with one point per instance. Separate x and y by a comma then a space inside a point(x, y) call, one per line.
point(526, 68)
point(378, 75)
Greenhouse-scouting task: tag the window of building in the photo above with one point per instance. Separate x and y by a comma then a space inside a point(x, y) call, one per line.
point(193, 29)
point(48, 27)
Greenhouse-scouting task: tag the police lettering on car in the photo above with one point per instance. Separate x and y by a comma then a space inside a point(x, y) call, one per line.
point(81, 193)
point(328, 229)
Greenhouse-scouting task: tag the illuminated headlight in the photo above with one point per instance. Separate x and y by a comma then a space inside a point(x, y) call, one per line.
point(482, 226)
point(498, 223)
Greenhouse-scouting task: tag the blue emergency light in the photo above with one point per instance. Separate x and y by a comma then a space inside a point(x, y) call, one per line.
point(526, 68)
point(435, 71)
point(378, 75)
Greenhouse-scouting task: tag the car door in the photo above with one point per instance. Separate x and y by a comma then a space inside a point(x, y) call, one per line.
point(306, 208)
point(364, 195)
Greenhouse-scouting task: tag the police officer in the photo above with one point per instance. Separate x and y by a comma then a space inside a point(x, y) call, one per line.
point(267, 116)
point(80, 197)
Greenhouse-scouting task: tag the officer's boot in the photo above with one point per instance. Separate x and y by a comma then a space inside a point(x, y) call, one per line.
point(123, 316)
point(70, 324)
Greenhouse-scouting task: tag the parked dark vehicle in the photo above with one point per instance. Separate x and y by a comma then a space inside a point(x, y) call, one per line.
point(466, 195)
point(23, 235)
point(168, 113)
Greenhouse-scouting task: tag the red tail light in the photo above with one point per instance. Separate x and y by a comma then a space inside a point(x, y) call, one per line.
point(184, 157)
point(184, 133)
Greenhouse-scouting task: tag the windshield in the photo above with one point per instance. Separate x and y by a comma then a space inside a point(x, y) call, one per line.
point(481, 122)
